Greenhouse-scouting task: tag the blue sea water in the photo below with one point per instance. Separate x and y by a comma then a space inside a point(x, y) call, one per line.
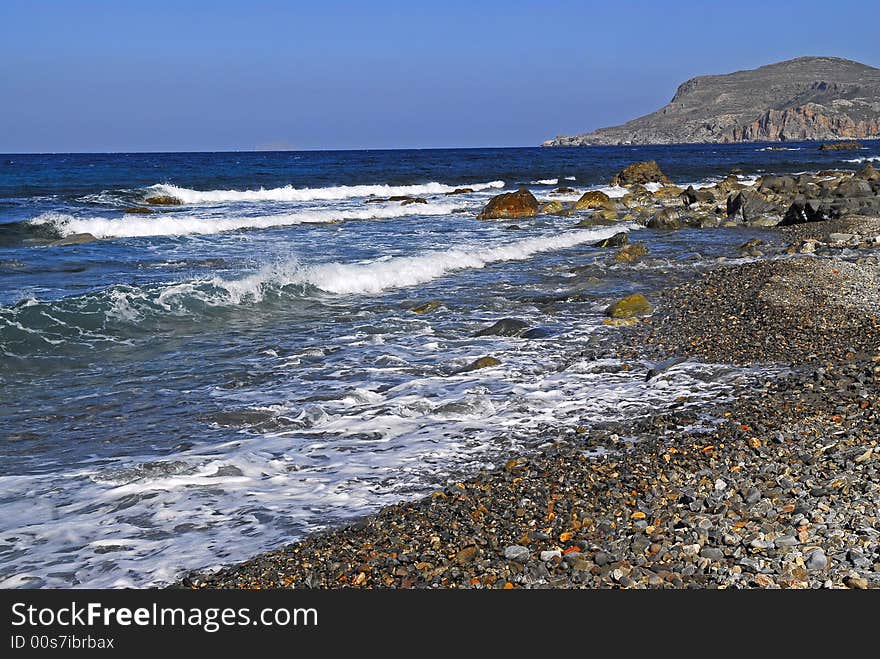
point(219, 377)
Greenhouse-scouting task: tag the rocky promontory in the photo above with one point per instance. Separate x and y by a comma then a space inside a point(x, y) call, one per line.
point(808, 98)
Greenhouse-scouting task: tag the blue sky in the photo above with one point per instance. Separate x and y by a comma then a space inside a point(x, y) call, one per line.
point(151, 76)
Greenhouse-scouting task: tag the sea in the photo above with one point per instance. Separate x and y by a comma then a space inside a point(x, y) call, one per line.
point(287, 350)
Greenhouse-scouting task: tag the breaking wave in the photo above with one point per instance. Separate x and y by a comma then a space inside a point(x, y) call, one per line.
point(290, 193)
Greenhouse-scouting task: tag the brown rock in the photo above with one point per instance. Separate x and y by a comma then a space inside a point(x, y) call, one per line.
point(510, 205)
point(641, 172)
point(841, 146)
point(594, 200)
point(138, 210)
point(459, 191)
point(631, 253)
point(163, 200)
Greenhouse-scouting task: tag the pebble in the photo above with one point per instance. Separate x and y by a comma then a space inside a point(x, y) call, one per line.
point(516, 553)
point(817, 560)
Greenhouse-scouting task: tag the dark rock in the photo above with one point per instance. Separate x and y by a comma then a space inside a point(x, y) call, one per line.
point(617, 240)
point(459, 191)
point(668, 219)
point(504, 327)
point(138, 210)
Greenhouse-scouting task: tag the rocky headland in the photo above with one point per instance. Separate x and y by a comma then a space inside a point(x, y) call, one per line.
point(808, 98)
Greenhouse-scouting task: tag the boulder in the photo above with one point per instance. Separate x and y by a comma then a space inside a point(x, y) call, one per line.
point(749, 205)
point(413, 200)
point(869, 173)
point(563, 190)
point(504, 327)
point(667, 192)
point(693, 196)
point(778, 184)
point(631, 253)
point(460, 191)
point(551, 207)
point(483, 362)
point(632, 306)
point(641, 172)
point(853, 187)
point(521, 203)
point(594, 200)
point(842, 146)
point(668, 218)
point(728, 185)
point(163, 200)
point(617, 240)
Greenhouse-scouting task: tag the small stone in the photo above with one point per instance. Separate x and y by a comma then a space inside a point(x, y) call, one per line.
point(550, 555)
point(720, 485)
point(516, 553)
point(857, 583)
point(817, 560)
point(712, 553)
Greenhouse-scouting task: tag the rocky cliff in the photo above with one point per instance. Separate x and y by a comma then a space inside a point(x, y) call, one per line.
point(809, 98)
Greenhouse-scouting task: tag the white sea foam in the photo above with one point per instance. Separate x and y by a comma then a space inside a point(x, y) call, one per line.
point(864, 159)
point(401, 271)
point(289, 193)
point(174, 224)
point(546, 181)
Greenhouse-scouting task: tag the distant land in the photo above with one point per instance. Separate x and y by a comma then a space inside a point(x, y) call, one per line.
point(808, 98)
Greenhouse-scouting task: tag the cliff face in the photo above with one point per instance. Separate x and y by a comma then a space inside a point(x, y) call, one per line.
point(809, 98)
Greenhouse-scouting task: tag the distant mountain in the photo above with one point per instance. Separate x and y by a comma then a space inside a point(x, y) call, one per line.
point(808, 98)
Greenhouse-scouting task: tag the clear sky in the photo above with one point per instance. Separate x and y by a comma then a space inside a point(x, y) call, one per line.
point(130, 75)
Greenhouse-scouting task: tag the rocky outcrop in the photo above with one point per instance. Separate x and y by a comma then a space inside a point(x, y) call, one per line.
point(809, 98)
point(594, 200)
point(641, 173)
point(842, 146)
point(510, 205)
point(163, 200)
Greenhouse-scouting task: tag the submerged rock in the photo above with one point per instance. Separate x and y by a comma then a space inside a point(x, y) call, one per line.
point(631, 253)
point(630, 307)
point(504, 327)
point(521, 203)
point(483, 362)
point(413, 200)
point(163, 200)
point(459, 191)
point(74, 239)
point(138, 210)
point(427, 307)
point(641, 172)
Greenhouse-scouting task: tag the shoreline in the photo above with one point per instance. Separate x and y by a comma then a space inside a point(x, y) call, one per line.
point(784, 492)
